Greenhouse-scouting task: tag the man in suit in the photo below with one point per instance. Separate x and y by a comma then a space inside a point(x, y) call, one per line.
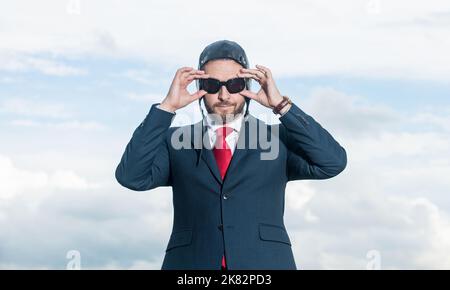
point(229, 171)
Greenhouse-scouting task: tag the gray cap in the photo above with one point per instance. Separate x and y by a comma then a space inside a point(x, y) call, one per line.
point(223, 49)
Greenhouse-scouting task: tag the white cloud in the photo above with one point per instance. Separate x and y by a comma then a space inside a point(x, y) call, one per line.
point(15, 181)
point(9, 80)
point(435, 120)
point(67, 125)
point(11, 179)
point(349, 115)
point(145, 97)
point(311, 38)
point(110, 227)
point(34, 107)
point(143, 76)
point(24, 63)
point(391, 198)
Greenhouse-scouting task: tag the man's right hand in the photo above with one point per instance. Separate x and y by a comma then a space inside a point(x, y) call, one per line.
point(178, 96)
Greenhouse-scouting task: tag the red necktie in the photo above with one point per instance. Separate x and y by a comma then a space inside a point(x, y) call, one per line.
point(221, 150)
point(222, 153)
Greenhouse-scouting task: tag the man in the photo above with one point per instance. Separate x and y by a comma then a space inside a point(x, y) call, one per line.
point(228, 196)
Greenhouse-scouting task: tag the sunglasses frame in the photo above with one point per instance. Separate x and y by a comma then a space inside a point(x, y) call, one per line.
point(225, 83)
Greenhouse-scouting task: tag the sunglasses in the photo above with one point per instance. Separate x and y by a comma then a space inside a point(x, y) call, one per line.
point(212, 86)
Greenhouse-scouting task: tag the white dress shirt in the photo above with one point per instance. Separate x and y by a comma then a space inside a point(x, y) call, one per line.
point(232, 138)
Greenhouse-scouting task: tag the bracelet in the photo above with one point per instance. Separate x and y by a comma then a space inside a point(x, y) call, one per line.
point(281, 105)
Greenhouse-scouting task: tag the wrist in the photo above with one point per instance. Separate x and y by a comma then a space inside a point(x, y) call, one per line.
point(167, 107)
point(285, 109)
point(282, 106)
point(276, 102)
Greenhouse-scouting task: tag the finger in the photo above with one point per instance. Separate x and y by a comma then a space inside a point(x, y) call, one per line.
point(255, 72)
point(190, 78)
point(265, 69)
point(262, 67)
point(196, 71)
point(249, 94)
point(248, 75)
point(263, 72)
point(198, 94)
point(192, 72)
point(184, 69)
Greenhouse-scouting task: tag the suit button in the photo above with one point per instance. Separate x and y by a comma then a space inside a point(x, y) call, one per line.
point(225, 196)
point(220, 227)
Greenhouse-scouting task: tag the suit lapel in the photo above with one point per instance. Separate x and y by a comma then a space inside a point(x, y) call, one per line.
point(241, 147)
point(200, 133)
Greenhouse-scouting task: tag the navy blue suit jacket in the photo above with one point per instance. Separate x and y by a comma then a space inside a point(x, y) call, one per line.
point(242, 215)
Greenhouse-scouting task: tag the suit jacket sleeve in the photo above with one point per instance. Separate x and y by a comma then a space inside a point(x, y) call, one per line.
point(145, 162)
point(312, 152)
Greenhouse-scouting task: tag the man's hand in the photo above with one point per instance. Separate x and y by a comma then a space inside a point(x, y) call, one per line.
point(268, 95)
point(178, 95)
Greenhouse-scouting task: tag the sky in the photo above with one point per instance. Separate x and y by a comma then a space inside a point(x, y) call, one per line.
point(77, 77)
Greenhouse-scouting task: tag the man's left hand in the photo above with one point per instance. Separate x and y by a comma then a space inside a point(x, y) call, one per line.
point(268, 95)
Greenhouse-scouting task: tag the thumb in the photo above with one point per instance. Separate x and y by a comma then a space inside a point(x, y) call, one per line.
point(247, 93)
point(198, 94)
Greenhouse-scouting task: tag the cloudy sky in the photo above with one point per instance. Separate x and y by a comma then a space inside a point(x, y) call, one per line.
point(77, 77)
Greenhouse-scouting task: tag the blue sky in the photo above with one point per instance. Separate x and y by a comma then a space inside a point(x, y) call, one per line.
point(74, 83)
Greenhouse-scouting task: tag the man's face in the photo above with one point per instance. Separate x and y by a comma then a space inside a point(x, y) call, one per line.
point(223, 104)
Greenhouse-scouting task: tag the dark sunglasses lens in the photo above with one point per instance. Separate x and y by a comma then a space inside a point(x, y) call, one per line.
point(236, 85)
point(212, 86)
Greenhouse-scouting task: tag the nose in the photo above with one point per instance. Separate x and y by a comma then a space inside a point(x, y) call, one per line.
point(223, 93)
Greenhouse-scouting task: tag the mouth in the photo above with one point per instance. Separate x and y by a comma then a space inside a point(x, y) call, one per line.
point(223, 106)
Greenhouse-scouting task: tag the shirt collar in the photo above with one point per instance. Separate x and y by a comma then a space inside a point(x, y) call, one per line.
point(235, 123)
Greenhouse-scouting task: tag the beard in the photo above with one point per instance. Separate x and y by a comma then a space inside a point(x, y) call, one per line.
point(224, 111)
